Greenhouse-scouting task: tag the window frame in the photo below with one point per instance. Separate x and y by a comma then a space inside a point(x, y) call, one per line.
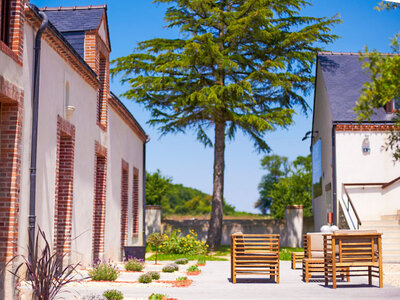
point(5, 21)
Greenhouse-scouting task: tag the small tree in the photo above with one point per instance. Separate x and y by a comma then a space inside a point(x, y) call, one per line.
point(155, 240)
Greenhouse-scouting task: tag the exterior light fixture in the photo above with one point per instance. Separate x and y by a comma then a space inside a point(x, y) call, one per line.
point(70, 111)
point(366, 148)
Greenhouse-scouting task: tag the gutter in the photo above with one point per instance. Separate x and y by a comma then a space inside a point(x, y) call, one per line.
point(334, 184)
point(35, 115)
point(144, 191)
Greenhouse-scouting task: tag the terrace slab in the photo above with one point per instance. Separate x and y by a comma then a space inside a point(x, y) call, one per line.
point(214, 283)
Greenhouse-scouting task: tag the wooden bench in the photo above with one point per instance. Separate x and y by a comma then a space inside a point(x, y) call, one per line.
point(297, 257)
point(358, 250)
point(255, 254)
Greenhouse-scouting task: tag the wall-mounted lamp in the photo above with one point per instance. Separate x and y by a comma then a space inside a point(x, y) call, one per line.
point(366, 147)
point(310, 134)
point(70, 111)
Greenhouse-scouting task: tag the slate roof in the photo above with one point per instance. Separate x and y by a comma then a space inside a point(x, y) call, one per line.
point(78, 19)
point(72, 22)
point(344, 77)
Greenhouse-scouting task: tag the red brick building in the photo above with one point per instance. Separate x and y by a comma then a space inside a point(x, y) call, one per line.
point(90, 149)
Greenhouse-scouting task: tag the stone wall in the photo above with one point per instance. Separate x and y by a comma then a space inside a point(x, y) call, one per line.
point(291, 229)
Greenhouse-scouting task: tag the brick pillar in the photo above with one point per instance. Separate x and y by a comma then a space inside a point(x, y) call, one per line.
point(64, 187)
point(135, 202)
point(124, 205)
point(99, 208)
point(11, 117)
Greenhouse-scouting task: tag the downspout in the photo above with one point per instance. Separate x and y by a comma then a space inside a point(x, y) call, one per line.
point(334, 195)
point(35, 113)
point(144, 191)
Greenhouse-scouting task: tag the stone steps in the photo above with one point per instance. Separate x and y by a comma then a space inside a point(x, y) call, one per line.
point(389, 226)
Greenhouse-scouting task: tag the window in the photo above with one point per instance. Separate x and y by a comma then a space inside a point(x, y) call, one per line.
point(5, 21)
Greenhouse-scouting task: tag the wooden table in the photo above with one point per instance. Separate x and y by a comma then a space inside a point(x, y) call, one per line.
point(360, 252)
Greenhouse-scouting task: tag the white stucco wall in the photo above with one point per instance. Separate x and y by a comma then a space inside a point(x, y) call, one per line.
point(124, 144)
point(10, 70)
point(322, 124)
point(55, 71)
point(354, 167)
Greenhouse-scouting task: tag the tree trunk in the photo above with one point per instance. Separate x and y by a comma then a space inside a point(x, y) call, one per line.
point(215, 228)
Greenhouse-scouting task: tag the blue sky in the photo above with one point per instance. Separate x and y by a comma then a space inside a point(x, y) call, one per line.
point(182, 156)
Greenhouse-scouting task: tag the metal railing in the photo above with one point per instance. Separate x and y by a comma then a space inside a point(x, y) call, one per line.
point(382, 185)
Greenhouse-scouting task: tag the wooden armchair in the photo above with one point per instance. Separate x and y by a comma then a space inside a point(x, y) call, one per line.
point(313, 261)
point(360, 251)
point(255, 254)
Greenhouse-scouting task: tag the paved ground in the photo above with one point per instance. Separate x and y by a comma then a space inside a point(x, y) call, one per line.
point(214, 283)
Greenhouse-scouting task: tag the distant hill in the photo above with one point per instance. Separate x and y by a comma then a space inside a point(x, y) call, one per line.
point(177, 199)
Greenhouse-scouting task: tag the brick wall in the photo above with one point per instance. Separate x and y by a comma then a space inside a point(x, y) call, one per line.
point(11, 117)
point(124, 204)
point(104, 91)
point(14, 48)
point(64, 186)
point(135, 202)
point(97, 55)
point(99, 209)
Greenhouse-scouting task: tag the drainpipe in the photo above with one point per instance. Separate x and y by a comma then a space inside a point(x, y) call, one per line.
point(144, 191)
point(35, 113)
point(334, 184)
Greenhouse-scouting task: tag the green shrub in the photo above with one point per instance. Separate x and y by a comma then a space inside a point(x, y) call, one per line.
point(113, 295)
point(154, 275)
point(134, 264)
point(168, 269)
point(157, 297)
point(181, 261)
point(145, 278)
point(193, 268)
point(175, 243)
point(104, 271)
point(201, 261)
point(175, 266)
point(181, 278)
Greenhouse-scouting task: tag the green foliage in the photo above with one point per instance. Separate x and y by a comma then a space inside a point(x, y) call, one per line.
point(176, 199)
point(237, 65)
point(169, 269)
point(181, 278)
point(277, 167)
point(383, 87)
point(145, 278)
point(103, 270)
point(157, 187)
point(171, 257)
point(201, 261)
point(157, 297)
point(175, 243)
point(285, 253)
point(154, 275)
point(288, 184)
point(113, 295)
point(181, 261)
point(193, 268)
point(243, 64)
point(134, 264)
